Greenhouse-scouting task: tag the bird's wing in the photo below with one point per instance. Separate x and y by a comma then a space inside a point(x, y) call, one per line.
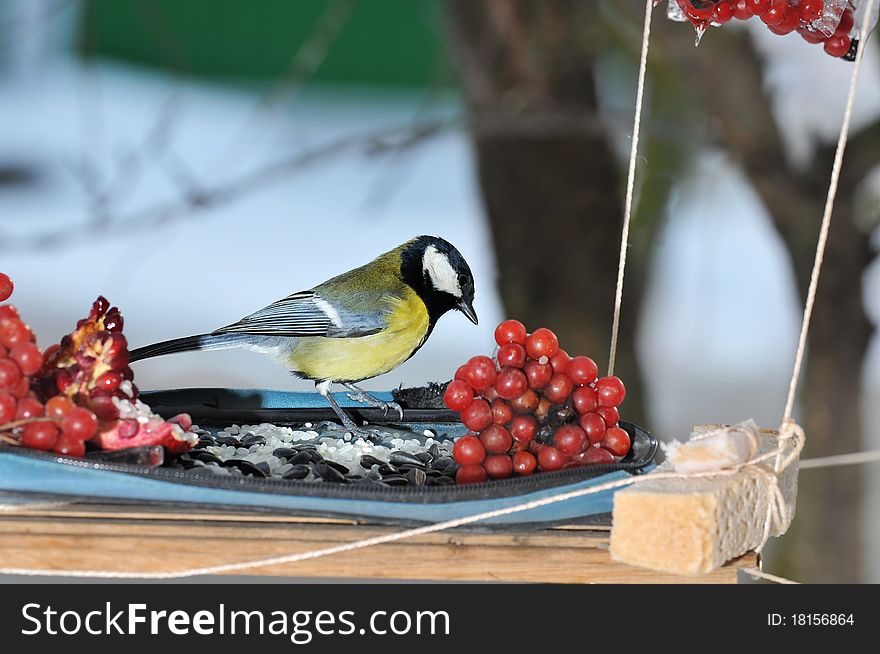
point(306, 314)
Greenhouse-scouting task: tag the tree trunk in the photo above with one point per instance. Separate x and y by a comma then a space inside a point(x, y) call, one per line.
point(551, 184)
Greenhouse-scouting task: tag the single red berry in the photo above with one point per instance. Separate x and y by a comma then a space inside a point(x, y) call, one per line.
point(8, 312)
point(789, 24)
point(584, 399)
point(470, 474)
point(79, 424)
point(583, 370)
point(542, 343)
point(6, 287)
point(837, 45)
point(594, 455)
point(10, 374)
point(758, 7)
point(570, 439)
point(498, 466)
point(722, 13)
point(741, 9)
point(69, 447)
point(616, 441)
point(510, 331)
point(13, 332)
point(811, 10)
point(610, 391)
point(28, 358)
point(468, 450)
point(549, 458)
point(560, 361)
point(609, 414)
point(775, 13)
point(458, 395)
point(23, 388)
point(58, 406)
point(28, 408)
point(594, 427)
point(460, 373)
point(502, 413)
point(526, 403)
point(524, 463)
point(511, 355)
point(538, 374)
point(523, 428)
point(511, 383)
point(39, 435)
point(847, 20)
point(8, 406)
point(477, 415)
point(496, 439)
point(480, 372)
point(559, 388)
point(811, 35)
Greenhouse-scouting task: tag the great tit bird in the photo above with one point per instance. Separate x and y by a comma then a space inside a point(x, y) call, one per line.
point(358, 325)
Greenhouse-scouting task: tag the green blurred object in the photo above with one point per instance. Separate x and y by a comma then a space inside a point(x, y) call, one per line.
point(381, 42)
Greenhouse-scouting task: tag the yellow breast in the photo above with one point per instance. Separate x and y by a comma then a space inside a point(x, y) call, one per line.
point(354, 359)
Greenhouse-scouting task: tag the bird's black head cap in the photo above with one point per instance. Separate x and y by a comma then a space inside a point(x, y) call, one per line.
point(440, 275)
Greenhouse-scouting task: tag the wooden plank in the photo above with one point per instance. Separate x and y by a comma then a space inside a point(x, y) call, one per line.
point(131, 539)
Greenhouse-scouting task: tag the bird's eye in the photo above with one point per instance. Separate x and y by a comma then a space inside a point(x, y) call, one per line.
point(462, 279)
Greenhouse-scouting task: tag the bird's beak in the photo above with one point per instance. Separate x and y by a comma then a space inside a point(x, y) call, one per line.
point(467, 308)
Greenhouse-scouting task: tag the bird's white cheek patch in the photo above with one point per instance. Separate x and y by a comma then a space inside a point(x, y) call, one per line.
point(440, 271)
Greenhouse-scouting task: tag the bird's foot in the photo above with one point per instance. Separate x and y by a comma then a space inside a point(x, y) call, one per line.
point(360, 395)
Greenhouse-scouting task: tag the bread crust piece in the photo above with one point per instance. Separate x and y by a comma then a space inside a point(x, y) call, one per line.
point(692, 526)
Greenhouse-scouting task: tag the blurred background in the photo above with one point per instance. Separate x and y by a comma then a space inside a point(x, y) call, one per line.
point(194, 160)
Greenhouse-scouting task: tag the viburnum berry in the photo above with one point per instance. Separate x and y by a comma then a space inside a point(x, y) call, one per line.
point(538, 374)
point(58, 406)
point(498, 466)
point(523, 428)
point(13, 332)
point(810, 35)
point(594, 427)
point(524, 463)
point(6, 287)
point(8, 406)
point(510, 331)
point(28, 408)
point(480, 372)
point(559, 361)
point(593, 456)
point(789, 24)
point(69, 447)
point(583, 370)
point(616, 441)
point(39, 435)
point(502, 413)
point(458, 395)
point(775, 13)
point(468, 450)
point(477, 415)
point(496, 439)
point(722, 13)
point(609, 414)
point(570, 439)
point(741, 9)
point(837, 45)
point(511, 383)
point(525, 403)
point(511, 355)
point(542, 343)
point(79, 423)
point(10, 374)
point(559, 388)
point(549, 458)
point(460, 373)
point(584, 399)
point(758, 7)
point(610, 391)
point(28, 358)
point(470, 474)
point(23, 388)
point(811, 10)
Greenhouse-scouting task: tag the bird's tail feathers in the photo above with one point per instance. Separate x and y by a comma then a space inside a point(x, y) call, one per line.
point(190, 344)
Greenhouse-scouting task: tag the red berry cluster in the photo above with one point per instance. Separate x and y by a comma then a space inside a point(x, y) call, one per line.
point(780, 16)
point(57, 425)
point(533, 408)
